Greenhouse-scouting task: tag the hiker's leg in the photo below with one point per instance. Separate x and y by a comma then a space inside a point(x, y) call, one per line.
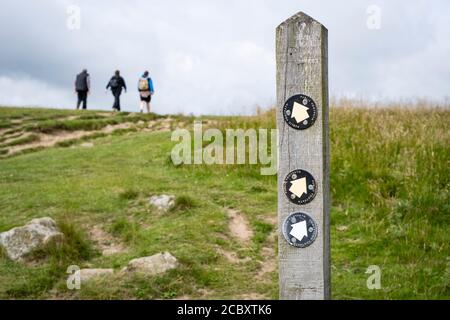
point(84, 100)
point(141, 106)
point(116, 100)
point(79, 99)
point(148, 103)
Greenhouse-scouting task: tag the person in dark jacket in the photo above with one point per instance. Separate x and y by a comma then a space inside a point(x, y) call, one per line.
point(116, 84)
point(82, 88)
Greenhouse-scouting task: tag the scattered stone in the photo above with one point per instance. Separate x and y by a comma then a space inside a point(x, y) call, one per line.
point(163, 202)
point(342, 228)
point(38, 233)
point(153, 265)
point(89, 274)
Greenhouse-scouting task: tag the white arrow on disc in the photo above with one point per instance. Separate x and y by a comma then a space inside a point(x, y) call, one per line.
point(299, 112)
point(298, 187)
point(299, 230)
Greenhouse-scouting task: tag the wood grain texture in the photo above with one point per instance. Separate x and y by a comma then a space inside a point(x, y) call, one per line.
point(302, 68)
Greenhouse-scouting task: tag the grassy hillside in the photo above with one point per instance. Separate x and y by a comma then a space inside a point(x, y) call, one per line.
point(93, 172)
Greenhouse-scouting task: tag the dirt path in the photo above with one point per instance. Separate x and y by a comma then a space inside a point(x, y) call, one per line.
point(107, 244)
point(268, 252)
point(50, 140)
point(232, 257)
point(239, 226)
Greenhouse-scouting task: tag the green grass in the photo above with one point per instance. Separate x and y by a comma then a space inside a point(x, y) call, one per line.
point(36, 114)
point(34, 280)
point(390, 184)
point(71, 142)
point(86, 122)
point(51, 120)
point(184, 202)
point(5, 124)
point(390, 207)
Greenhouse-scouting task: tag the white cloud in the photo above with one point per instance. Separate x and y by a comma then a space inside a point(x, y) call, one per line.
point(25, 91)
point(216, 56)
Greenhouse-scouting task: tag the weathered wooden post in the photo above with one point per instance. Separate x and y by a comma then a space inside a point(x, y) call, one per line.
point(303, 173)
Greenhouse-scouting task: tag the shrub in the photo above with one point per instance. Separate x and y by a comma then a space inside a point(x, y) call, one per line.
point(184, 202)
point(75, 247)
point(129, 194)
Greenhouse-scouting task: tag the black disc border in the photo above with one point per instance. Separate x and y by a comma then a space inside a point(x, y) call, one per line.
point(288, 237)
point(300, 202)
point(312, 118)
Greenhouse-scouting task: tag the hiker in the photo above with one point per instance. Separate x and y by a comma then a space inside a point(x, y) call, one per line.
point(145, 87)
point(82, 87)
point(116, 84)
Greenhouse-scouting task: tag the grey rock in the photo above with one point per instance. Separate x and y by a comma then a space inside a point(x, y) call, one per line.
point(163, 202)
point(153, 265)
point(89, 274)
point(38, 233)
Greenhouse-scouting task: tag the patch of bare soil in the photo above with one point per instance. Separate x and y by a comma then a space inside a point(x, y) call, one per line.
point(172, 124)
point(110, 128)
point(252, 296)
point(105, 114)
point(69, 118)
point(49, 140)
point(268, 252)
point(163, 125)
point(271, 219)
point(87, 145)
point(14, 136)
point(232, 256)
point(107, 244)
point(341, 228)
point(239, 226)
point(268, 264)
point(203, 294)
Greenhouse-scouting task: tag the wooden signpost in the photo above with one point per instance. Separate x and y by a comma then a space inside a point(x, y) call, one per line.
point(303, 173)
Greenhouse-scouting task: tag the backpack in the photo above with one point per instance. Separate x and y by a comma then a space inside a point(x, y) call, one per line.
point(143, 84)
point(114, 83)
point(81, 82)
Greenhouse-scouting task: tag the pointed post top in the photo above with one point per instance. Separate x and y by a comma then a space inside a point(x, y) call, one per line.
point(300, 17)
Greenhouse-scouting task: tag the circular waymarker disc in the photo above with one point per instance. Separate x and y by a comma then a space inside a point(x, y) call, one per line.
point(300, 230)
point(300, 187)
point(300, 112)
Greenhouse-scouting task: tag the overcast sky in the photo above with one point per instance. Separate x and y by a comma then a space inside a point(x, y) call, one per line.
point(216, 56)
